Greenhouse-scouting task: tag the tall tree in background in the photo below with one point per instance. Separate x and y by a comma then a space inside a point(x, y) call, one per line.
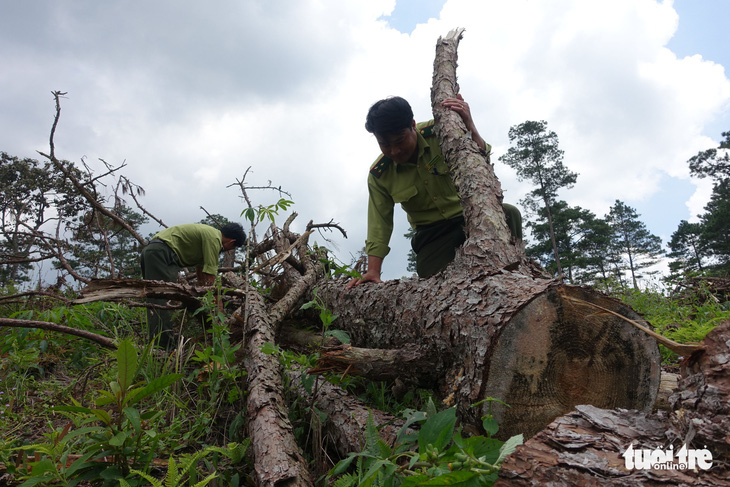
point(640, 248)
point(714, 163)
point(411, 254)
point(100, 248)
point(599, 259)
point(582, 240)
point(536, 157)
point(714, 235)
point(565, 229)
point(685, 249)
point(32, 196)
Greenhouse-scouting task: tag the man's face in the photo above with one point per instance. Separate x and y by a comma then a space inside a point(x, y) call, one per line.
point(401, 147)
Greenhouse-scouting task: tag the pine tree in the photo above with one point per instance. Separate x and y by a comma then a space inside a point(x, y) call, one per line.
point(582, 240)
point(714, 236)
point(32, 196)
point(411, 254)
point(686, 249)
point(639, 247)
point(100, 248)
point(536, 157)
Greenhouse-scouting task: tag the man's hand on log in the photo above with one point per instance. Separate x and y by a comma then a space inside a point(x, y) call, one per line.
point(371, 275)
point(462, 108)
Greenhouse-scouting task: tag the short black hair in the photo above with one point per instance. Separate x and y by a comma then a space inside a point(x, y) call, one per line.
point(234, 231)
point(389, 116)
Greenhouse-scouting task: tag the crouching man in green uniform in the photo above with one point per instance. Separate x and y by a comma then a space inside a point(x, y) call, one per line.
point(412, 171)
point(188, 245)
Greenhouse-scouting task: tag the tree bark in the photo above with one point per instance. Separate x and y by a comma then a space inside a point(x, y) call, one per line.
point(125, 289)
point(278, 460)
point(499, 327)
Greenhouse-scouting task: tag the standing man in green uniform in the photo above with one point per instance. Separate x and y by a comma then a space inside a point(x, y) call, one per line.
point(188, 245)
point(412, 171)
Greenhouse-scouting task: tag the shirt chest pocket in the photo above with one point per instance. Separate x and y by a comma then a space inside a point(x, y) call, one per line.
point(439, 167)
point(404, 194)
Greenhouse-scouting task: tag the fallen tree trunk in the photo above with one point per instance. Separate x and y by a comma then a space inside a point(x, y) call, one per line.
point(497, 325)
point(590, 446)
point(278, 460)
point(539, 353)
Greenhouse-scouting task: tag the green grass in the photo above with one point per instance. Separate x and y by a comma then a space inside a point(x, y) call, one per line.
point(684, 320)
point(41, 371)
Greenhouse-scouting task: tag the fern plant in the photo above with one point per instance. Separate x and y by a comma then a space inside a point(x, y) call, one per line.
point(176, 475)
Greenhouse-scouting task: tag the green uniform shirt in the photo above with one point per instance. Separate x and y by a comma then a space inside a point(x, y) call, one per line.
point(195, 244)
point(424, 190)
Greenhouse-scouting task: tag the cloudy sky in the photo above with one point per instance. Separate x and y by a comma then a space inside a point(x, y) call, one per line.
point(191, 94)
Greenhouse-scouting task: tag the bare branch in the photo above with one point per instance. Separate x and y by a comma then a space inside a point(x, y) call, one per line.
point(78, 185)
point(331, 224)
point(12, 297)
point(45, 325)
point(140, 190)
point(54, 245)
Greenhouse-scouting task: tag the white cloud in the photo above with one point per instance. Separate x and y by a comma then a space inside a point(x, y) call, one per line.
point(191, 94)
point(700, 198)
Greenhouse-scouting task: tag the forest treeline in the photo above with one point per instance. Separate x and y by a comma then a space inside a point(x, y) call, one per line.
point(615, 251)
point(46, 220)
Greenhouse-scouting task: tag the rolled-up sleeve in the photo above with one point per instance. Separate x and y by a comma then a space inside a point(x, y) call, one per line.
point(210, 248)
point(380, 219)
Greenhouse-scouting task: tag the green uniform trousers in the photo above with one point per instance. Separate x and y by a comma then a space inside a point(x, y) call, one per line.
point(435, 244)
point(159, 263)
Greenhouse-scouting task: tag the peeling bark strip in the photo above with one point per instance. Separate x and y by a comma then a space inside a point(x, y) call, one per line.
point(125, 289)
point(496, 325)
point(703, 398)
point(587, 446)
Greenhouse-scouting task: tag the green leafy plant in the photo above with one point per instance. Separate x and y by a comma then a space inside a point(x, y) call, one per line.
point(681, 320)
point(331, 266)
point(183, 471)
point(127, 437)
point(260, 213)
point(326, 317)
point(226, 461)
point(436, 455)
point(217, 376)
point(55, 460)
